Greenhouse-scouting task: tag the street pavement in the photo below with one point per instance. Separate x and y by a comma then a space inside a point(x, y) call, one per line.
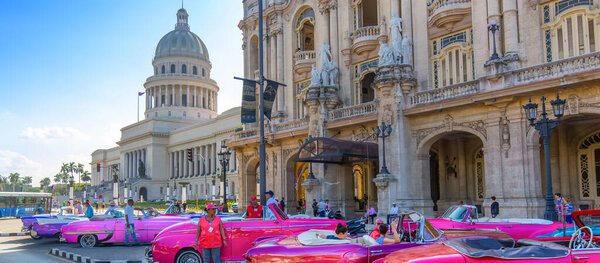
point(23, 249)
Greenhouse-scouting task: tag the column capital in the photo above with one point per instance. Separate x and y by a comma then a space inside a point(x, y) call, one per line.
point(326, 5)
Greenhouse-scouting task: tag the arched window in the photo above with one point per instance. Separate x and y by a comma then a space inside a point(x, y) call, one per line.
point(453, 59)
point(365, 13)
point(367, 93)
point(195, 70)
point(172, 68)
point(163, 70)
point(305, 30)
point(569, 29)
point(203, 72)
point(184, 69)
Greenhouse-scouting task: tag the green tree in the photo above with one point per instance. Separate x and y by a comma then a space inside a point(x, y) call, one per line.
point(44, 183)
point(27, 180)
point(3, 181)
point(86, 176)
point(79, 169)
point(14, 179)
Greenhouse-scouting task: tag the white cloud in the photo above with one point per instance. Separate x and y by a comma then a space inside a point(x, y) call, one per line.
point(11, 162)
point(52, 133)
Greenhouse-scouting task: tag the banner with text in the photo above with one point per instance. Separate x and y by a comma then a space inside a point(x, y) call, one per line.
point(249, 101)
point(269, 96)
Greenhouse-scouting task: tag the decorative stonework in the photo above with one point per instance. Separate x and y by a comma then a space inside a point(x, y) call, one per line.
point(287, 152)
point(449, 125)
point(362, 134)
point(325, 5)
point(387, 116)
point(382, 181)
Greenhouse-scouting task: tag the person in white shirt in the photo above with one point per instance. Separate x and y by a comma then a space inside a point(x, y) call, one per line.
point(393, 212)
point(111, 209)
point(129, 228)
point(270, 200)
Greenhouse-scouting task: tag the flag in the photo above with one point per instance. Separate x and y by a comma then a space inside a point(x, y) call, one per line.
point(269, 97)
point(249, 101)
point(141, 93)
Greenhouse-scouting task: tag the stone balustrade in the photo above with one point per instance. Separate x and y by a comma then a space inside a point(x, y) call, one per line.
point(179, 76)
point(290, 125)
point(366, 32)
point(305, 56)
point(445, 93)
point(251, 129)
point(434, 5)
point(559, 68)
point(246, 133)
point(353, 111)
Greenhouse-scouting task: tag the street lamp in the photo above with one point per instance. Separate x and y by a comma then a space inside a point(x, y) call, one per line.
point(494, 26)
point(544, 126)
point(224, 160)
point(383, 131)
point(310, 173)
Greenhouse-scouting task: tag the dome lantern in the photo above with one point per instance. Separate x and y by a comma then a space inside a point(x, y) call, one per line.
point(181, 42)
point(182, 20)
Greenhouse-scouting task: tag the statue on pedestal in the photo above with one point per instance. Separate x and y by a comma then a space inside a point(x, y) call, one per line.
point(315, 76)
point(324, 55)
point(396, 37)
point(386, 54)
point(407, 57)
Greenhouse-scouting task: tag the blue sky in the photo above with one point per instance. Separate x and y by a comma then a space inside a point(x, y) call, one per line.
point(71, 70)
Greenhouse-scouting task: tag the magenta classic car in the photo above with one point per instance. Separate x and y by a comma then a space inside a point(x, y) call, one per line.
point(307, 246)
point(465, 216)
point(111, 229)
point(581, 247)
point(176, 243)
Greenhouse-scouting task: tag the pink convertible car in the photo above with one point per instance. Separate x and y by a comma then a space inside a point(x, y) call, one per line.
point(465, 216)
point(176, 243)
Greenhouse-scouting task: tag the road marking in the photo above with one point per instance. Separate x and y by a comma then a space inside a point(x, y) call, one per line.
point(13, 234)
point(72, 257)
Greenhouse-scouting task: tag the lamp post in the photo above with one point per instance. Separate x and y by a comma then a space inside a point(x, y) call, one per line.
point(494, 26)
point(383, 131)
point(544, 126)
point(310, 173)
point(224, 161)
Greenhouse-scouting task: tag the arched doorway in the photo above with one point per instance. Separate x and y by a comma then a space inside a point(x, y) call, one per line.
point(367, 93)
point(143, 194)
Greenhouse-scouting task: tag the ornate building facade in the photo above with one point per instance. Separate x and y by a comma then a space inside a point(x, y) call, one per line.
point(427, 68)
point(176, 145)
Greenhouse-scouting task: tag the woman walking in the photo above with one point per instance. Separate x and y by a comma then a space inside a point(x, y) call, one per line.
point(211, 235)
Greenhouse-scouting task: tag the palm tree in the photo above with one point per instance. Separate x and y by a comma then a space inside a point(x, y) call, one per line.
point(58, 178)
point(2, 180)
point(45, 182)
point(26, 180)
point(14, 179)
point(79, 170)
point(85, 176)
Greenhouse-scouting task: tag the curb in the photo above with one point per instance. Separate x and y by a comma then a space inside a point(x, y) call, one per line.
point(22, 234)
point(81, 259)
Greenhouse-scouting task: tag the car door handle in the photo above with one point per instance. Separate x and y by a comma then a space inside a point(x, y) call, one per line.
point(376, 251)
point(580, 257)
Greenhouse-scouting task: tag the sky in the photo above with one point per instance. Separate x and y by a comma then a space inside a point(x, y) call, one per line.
point(70, 72)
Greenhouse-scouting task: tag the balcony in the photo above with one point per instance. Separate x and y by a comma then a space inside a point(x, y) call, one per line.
point(290, 125)
point(557, 69)
point(365, 39)
point(445, 13)
point(251, 130)
point(303, 61)
point(445, 93)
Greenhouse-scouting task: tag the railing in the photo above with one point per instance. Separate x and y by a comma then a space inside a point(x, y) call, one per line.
point(434, 5)
point(366, 31)
point(179, 76)
point(247, 133)
point(445, 93)
point(305, 56)
point(290, 125)
point(559, 68)
point(353, 111)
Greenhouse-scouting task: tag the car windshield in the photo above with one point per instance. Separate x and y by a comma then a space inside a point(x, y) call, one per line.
point(415, 227)
point(456, 213)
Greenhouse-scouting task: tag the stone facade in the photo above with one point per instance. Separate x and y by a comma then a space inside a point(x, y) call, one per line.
point(459, 132)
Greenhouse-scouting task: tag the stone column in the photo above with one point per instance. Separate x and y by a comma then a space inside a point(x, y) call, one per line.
point(202, 98)
point(172, 95)
point(188, 97)
point(280, 75)
point(324, 28)
point(563, 157)
point(493, 9)
point(462, 170)
point(333, 35)
point(180, 96)
point(406, 15)
point(273, 56)
point(511, 27)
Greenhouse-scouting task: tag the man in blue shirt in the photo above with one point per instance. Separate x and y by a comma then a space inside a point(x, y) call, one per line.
point(111, 209)
point(89, 211)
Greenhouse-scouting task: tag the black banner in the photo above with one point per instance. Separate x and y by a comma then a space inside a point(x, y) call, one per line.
point(269, 97)
point(249, 101)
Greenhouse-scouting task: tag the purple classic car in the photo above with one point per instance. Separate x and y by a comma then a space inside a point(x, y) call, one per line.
point(48, 225)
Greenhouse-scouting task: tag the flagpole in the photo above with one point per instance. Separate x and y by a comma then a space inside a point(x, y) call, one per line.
point(138, 108)
point(263, 176)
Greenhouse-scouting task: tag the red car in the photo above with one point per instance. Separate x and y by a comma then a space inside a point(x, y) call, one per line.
point(582, 247)
point(306, 246)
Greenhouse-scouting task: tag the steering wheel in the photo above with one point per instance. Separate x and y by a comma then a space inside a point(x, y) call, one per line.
point(578, 239)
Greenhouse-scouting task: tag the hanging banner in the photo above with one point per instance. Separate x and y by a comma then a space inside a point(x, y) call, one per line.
point(249, 101)
point(269, 97)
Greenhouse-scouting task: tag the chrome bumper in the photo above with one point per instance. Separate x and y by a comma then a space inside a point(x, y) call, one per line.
point(25, 228)
point(148, 254)
point(62, 239)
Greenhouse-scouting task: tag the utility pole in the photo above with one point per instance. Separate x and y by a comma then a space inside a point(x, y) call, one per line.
point(263, 175)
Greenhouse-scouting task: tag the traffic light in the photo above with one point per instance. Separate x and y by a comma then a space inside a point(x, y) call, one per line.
point(190, 155)
point(98, 167)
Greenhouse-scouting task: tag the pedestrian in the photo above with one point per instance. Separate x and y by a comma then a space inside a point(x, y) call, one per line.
point(494, 207)
point(129, 227)
point(560, 206)
point(282, 204)
point(365, 202)
point(315, 208)
point(89, 211)
point(327, 206)
point(254, 210)
point(270, 201)
point(383, 239)
point(371, 213)
point(210, 236)
point(568, 209)
point(79, 207)
point(341, 233)
point(393, 212)
point(178, 207)
point(375, 233)
point(184, 206)
point(321, 208)
point(111, 209)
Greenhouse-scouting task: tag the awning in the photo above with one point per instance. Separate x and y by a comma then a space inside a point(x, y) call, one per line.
point(329, 150)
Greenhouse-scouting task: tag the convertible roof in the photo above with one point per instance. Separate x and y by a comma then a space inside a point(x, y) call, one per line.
point(496, 248)
point(329, 150)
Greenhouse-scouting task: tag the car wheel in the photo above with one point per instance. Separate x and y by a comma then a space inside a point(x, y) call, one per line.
point(59, 236)
point(188, 256)
point(37, 212)
point(87, 241)
point(36, 237)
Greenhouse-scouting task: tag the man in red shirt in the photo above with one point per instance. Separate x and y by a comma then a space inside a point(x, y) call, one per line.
point(254, 210)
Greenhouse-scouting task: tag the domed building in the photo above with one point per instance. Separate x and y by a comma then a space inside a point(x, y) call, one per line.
point(175, 147)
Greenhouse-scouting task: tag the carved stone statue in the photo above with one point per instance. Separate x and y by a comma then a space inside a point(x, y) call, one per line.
point(325, 74)
point(386, 54)
point(407, 57)
point(142, 169)
point(315, 76)
point(324, 55)
point(396, 36)
point(333, 72)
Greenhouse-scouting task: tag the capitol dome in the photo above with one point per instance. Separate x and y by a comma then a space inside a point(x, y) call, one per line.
point(181, 42)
